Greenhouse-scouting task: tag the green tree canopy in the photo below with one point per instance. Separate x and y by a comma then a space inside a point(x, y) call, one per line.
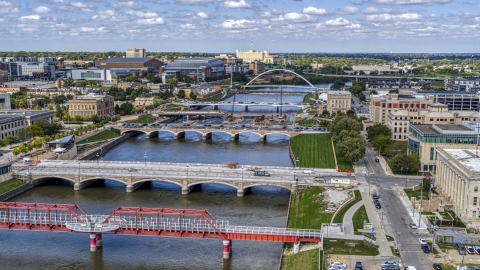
point(409, 163)
point(181, 93)
point(377, 130)
point(35, 130)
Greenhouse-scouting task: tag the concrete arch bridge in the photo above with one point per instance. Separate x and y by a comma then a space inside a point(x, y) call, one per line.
point(187, 176)
point(207, 133)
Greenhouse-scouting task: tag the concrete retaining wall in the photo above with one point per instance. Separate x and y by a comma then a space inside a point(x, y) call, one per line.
point(105, 147)
point(20, 190)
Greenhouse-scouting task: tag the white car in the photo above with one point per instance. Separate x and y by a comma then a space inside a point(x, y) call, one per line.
point(422, 241)
point(336, 267)
point(389, 263)
point(338, 264)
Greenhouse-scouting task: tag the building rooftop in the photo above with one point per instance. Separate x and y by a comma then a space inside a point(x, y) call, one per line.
point(443, 128)
point(126, 60)
point(339, 93)
point(466, 157)
point(195, 62)
point(9, 113)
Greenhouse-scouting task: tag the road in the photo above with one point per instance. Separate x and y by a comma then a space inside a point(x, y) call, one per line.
point(397, 218)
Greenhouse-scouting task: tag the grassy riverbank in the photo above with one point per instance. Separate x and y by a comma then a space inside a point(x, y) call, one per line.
point(101, 136)
point(341, 212)
point(8, 185)
point(307, 260)
point(307, 209)
point(313, 150)
point(144, 119)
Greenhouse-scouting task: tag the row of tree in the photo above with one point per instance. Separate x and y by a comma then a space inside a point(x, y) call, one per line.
point(346, 137)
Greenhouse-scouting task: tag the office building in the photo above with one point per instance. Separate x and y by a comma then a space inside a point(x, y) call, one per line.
point(195, 67)
point(398, 120)
point(127, 63)
point(106, 75)
point(5, 101)
point(11, 121)
point(253, 55)
point(136, 53)
point(88, 105)
point(460, 84)
point(458, 178)
point(339, 101)
point(456, 101)
point(140, 102)
point(257, 66)
point(424, 139)
point(381, 105)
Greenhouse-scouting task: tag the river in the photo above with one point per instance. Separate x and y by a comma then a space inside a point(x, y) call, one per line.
point(263, 206)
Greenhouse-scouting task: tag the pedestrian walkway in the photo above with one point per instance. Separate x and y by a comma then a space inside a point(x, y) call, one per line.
point(411, 211)
point(348, 218)
point(383, 244)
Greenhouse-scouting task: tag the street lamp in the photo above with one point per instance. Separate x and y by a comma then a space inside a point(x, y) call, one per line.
point(406, 178)
point(97, 157)
point(145, 156)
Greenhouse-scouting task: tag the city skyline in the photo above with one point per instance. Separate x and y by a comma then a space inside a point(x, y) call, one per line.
point(396, 26)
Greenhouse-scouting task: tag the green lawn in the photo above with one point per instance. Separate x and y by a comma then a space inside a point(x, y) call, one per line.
point(389, 238)
point(174, 107)
point(313, 150)
point(343, 164)
point(101, 136)
point(213, 98)
point(144, 118)
point(307, 98)
point(9, 185)
point(307, 210)
point(308, 122)
point(416, 193)
point(303, 260)
point(435, 251)
point(395, 251)
point(341, 212)
point(349, 247)
point(358, 218)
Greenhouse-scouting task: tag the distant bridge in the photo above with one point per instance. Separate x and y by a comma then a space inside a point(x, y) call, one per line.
point(206, 133)
point(187, 176)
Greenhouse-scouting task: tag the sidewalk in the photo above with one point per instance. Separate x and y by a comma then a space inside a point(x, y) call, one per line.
point(383, 244)
point(411, 211)
point(348, 218)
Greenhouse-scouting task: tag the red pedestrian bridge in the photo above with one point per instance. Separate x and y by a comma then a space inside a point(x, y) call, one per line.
point(143, 221)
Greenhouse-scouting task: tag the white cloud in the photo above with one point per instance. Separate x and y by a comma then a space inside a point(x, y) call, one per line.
point(195, 2)
point(107, 15)
point(409, 2)
point(41, 9)
point(8, 7)
point(293, 16)
point(337, 22)
point(202, 15)
point(373, 10)
point(86, 29)
point(235, 4)
point(152, 21)
point(314, 11)
point(125, 4)
point(477, 19)
point(6, 4)
point(142, 14)
point(29, 17)
point(235, 24)
point(346, 10)
point(389, 17)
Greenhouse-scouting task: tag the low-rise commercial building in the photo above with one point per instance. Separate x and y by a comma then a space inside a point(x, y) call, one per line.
point(88, 105)
point(424, 139)
point(258, 67)
point(136, 53)
point(458, 178)
point(339, 101)
point(140, 102)
point(127, 63)
point(195, 67)
point(460, 84)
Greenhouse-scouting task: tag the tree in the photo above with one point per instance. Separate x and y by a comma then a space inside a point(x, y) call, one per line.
point(38, 108)
point(10, 139)
point(193, 96)
point(344, 123)
point(95, 119)
point(377, 130)
point(35, 130)
point(409, 163)
point(351, 148)
point(58, 111)
point(325, 114)
point(23, 134)
point(126, 108)
point(181, 93)
point(68, 83)
point(351, 113)
point(77, 118)
point(172, 82)
point(131, 79)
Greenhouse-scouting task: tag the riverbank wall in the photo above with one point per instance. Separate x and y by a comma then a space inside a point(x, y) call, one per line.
point(286, 226)
point(102, 149)
point(21, 189)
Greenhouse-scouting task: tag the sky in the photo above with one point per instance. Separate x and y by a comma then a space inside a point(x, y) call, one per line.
point(398, 26)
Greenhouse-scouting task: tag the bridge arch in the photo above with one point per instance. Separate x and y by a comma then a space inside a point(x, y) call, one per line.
point(157, 180)
point(92, 179)
point(280, 69)
point(265, 184)
point(212, 182)
point(43, 179)
point(134, 131)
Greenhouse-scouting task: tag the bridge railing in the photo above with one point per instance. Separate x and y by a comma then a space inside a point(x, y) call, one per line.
point(304, 233)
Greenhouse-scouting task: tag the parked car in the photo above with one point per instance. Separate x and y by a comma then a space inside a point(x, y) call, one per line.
point(358, 266)
point(413, 225)
point(461, 249)
point(437, 266)
point(377, 160)
point(422, 241)
point(378, 205)
point(338, 264)
point(389, 263)
point(336, 267)
point(475, 268)
point(470, 249)
point(132, 170)
point(477, 249)
point(425, 248)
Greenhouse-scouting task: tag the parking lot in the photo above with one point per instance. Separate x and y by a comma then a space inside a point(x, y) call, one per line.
point(368, 262)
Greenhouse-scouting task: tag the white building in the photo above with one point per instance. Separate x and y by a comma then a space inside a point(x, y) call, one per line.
point(136, 53)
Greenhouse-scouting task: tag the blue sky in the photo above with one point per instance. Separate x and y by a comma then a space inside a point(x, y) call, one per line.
point(226, 25)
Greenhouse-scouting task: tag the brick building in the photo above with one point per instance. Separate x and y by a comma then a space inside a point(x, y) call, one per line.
point(88, 105)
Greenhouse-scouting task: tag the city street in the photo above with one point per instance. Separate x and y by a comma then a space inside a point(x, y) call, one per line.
point(396, 217)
